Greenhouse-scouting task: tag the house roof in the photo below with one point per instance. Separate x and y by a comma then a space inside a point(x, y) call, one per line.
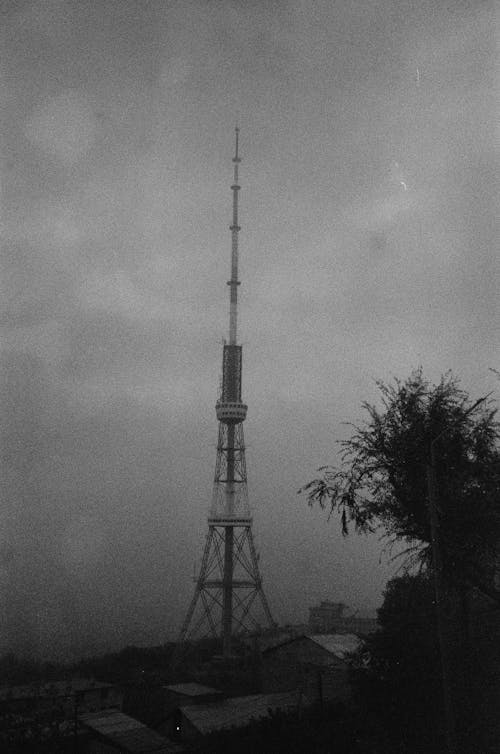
point(269, 642)
point(339, 645)
point(192, 689)
point(127, 733)
point(51, 689)
point(238, 711)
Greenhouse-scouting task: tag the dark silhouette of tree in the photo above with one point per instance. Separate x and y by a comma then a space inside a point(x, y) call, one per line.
point(382, 483)
point(398, 683)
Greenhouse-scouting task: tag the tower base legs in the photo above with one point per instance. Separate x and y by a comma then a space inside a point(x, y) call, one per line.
point(229, 599)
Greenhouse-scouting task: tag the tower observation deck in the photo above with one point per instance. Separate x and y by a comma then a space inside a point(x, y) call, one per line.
point(229, 598)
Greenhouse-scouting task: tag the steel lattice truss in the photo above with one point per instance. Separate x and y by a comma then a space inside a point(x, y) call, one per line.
point(230, 498)
point(228, 598)
point(204, 617)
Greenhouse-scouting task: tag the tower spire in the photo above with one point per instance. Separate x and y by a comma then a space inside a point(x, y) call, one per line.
point(235, 229)
point(229, 581)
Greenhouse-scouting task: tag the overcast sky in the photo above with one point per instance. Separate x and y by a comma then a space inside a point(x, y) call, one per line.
point(367, 249)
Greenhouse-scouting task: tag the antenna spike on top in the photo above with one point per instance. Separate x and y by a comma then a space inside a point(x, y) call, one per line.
point(236, 157)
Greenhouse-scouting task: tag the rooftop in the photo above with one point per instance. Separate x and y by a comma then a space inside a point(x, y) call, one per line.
point(238, 711)
point(339, 645)
point(127, 733)
point(54, 688)
point(192, 689)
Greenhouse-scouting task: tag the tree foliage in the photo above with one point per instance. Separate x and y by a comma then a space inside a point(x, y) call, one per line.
point(382, 477)
point(398, 683)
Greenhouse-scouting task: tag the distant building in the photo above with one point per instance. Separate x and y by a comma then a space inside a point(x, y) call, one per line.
point(325, 617)
point(328, 617)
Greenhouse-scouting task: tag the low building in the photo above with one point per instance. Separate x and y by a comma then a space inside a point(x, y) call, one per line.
point(44, 714)
point(198, 720)
point(112, 731)
point(317, 665)
point(82, 693)
point(187, 694)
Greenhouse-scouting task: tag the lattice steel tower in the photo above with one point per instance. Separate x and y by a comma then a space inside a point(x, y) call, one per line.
point(229, 586)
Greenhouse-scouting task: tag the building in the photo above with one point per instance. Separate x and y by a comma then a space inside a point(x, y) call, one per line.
point(81, 693)
point(325, 617)
point(187, 694)
point(45, 714)
point(296, 673)
point(328, 617)
point(194, 721)
point(316, 665)
point(112, 731)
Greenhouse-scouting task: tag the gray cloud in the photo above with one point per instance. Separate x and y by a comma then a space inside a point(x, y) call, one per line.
point(115, 252)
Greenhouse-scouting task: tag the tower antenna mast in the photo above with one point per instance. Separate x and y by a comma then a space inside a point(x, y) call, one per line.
point(229, 586)
point(235, 229)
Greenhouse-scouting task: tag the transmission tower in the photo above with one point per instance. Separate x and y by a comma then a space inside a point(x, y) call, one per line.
point(228, 598)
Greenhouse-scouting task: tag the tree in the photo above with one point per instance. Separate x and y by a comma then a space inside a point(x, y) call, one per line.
point(397, 682)
point(381, 481)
